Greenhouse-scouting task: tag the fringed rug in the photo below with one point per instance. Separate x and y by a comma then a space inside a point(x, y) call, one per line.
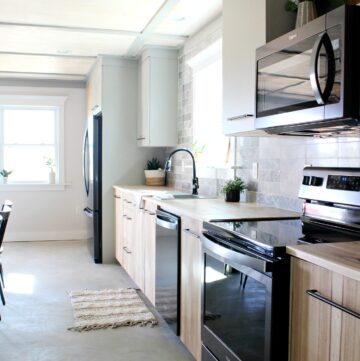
point(109, 308)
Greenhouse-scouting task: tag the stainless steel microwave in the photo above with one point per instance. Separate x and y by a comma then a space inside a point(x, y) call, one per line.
point(307, 81)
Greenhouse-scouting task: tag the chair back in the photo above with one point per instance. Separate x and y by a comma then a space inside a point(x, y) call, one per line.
point(7, 203)
point(5, 214)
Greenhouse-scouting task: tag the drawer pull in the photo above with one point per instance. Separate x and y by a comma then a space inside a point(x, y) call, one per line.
point(141, 138)
point(117, 197)
point(239, 117)
point(128, 218)
point(316, 294)
point(188, 231)
point(126, 250)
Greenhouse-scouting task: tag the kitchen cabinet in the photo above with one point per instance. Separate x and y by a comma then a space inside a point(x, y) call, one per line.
point(157, 116)
point(319, 331)
point(93, 89)
point(149, 229)
point(247, 25)
point(191, 276)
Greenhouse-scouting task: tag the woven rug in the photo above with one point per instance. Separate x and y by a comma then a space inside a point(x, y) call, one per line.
point(109, 308)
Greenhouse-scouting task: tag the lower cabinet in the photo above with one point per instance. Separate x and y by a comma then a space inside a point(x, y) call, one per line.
point(191, 275)
point(320, 331)
point(149, 232)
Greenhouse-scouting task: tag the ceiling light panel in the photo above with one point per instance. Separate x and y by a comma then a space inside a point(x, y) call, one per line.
point(44, 64)
point(131, 15)
point(49, 41)
point(188, 16)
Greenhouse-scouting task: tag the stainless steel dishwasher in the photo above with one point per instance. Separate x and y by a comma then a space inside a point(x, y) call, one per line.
point(167, 272)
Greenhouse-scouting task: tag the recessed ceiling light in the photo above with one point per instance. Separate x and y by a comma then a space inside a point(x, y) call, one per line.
point(179, 18)
point(63, 51)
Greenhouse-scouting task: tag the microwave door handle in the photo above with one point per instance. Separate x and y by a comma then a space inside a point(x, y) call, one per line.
point(322, 97)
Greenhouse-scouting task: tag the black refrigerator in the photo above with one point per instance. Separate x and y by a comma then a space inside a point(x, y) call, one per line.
point(92, 171)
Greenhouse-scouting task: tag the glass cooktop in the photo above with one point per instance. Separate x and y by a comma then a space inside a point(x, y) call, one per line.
point(262, 235)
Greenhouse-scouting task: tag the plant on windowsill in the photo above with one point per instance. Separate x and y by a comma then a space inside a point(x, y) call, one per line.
point(50, 163)
point(5, 174)
point(154, 175)
point(198, 150)
point(232, 189)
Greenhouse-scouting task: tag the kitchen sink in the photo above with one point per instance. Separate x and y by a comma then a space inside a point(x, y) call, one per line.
point(191, 196)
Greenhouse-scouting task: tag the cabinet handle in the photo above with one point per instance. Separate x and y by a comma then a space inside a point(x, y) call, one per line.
point(141, 138)
point(316, 294)
point(238, 117)
point(117, 197)
point(126, 250)
point(129, 218)
point(188, 231)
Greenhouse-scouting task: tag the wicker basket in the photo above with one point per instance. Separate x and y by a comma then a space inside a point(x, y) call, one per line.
point(155, 177)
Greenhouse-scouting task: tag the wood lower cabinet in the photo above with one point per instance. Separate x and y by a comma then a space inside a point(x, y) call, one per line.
point(191, 275)
point(319, 331)
point(149, 233)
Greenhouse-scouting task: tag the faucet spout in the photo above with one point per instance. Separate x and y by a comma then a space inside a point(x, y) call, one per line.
point(195, 180)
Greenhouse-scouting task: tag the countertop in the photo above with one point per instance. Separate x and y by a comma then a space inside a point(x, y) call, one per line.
point(342, 258)
point(207, 209)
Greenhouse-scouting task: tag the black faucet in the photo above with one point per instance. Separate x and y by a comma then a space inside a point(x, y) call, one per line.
point(195, 180)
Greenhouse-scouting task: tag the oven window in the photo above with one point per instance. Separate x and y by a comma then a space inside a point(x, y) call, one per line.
point(235, 312)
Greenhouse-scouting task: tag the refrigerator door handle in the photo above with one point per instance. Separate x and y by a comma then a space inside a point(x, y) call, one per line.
point(88, 212)
point(85, 161)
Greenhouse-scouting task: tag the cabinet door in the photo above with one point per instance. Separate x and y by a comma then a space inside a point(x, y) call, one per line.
point(191, 276)
point(321, 331)
point(244, 30)
point(149, 233)
point(143, 133)
point(129, 240)
point(119, 228)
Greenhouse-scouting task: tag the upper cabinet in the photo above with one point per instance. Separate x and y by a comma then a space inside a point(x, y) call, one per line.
point(157, 115)
point(247, 24)
point(93, 89)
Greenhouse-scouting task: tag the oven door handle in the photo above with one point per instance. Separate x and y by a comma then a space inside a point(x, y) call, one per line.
point(236, 257)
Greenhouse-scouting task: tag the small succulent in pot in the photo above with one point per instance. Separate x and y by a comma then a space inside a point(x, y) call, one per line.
point(154, 175)
point(232, 189)
point(153, 164)
point(5, 173)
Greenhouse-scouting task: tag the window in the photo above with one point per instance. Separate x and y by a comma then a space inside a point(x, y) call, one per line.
point(207, 107)
point(31, 133)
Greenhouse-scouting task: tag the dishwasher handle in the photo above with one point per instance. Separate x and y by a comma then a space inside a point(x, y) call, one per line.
point(166, 220)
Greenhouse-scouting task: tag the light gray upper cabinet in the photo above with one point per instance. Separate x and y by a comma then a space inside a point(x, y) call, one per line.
point(157, 116)
point(247, 25)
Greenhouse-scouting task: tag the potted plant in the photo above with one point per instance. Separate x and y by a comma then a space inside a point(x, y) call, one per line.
point(5, 174)
point(232, 189)
point(49, 162)
point(154, 175)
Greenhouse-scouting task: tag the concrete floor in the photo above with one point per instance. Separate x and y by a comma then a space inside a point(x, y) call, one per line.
point(34, 325)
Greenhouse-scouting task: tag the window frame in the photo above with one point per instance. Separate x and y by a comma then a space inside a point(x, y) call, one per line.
point(37, 102)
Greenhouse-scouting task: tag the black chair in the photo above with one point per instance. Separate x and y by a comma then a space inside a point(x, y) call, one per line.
point(4, 214)
point(7, 203)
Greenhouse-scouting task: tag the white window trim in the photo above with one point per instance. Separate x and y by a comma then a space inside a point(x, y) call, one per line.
point(40, 101)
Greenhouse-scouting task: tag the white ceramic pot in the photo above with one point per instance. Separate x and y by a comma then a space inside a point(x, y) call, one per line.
point(5, 180)
point(155, 177)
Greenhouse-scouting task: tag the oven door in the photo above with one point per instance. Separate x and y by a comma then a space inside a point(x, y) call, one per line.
point(238, 312)
point(296, 81)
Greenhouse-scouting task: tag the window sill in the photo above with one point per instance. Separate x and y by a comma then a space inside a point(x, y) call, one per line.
point(32, 187)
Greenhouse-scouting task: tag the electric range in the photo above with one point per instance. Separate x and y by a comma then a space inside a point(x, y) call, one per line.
point(247, 271)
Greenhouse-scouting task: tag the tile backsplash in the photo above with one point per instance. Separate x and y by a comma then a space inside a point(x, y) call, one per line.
point(280, 160)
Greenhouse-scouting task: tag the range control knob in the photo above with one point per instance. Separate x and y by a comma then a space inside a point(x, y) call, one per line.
point(306, 180)
point(316, 181)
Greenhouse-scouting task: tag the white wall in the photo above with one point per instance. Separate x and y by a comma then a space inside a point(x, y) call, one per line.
point(55, 214)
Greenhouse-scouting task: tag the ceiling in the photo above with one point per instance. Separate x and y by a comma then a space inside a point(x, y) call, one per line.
point(52, 39)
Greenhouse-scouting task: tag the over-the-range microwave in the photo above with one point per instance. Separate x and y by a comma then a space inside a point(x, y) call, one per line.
point(307, 81)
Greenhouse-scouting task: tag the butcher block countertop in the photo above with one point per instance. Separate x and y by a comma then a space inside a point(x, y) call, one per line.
point(205, 209)
point(342, 258)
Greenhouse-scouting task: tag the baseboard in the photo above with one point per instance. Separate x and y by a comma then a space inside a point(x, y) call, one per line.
point(45, 236)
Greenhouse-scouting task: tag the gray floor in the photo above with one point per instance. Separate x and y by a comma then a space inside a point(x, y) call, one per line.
point(34, 325)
